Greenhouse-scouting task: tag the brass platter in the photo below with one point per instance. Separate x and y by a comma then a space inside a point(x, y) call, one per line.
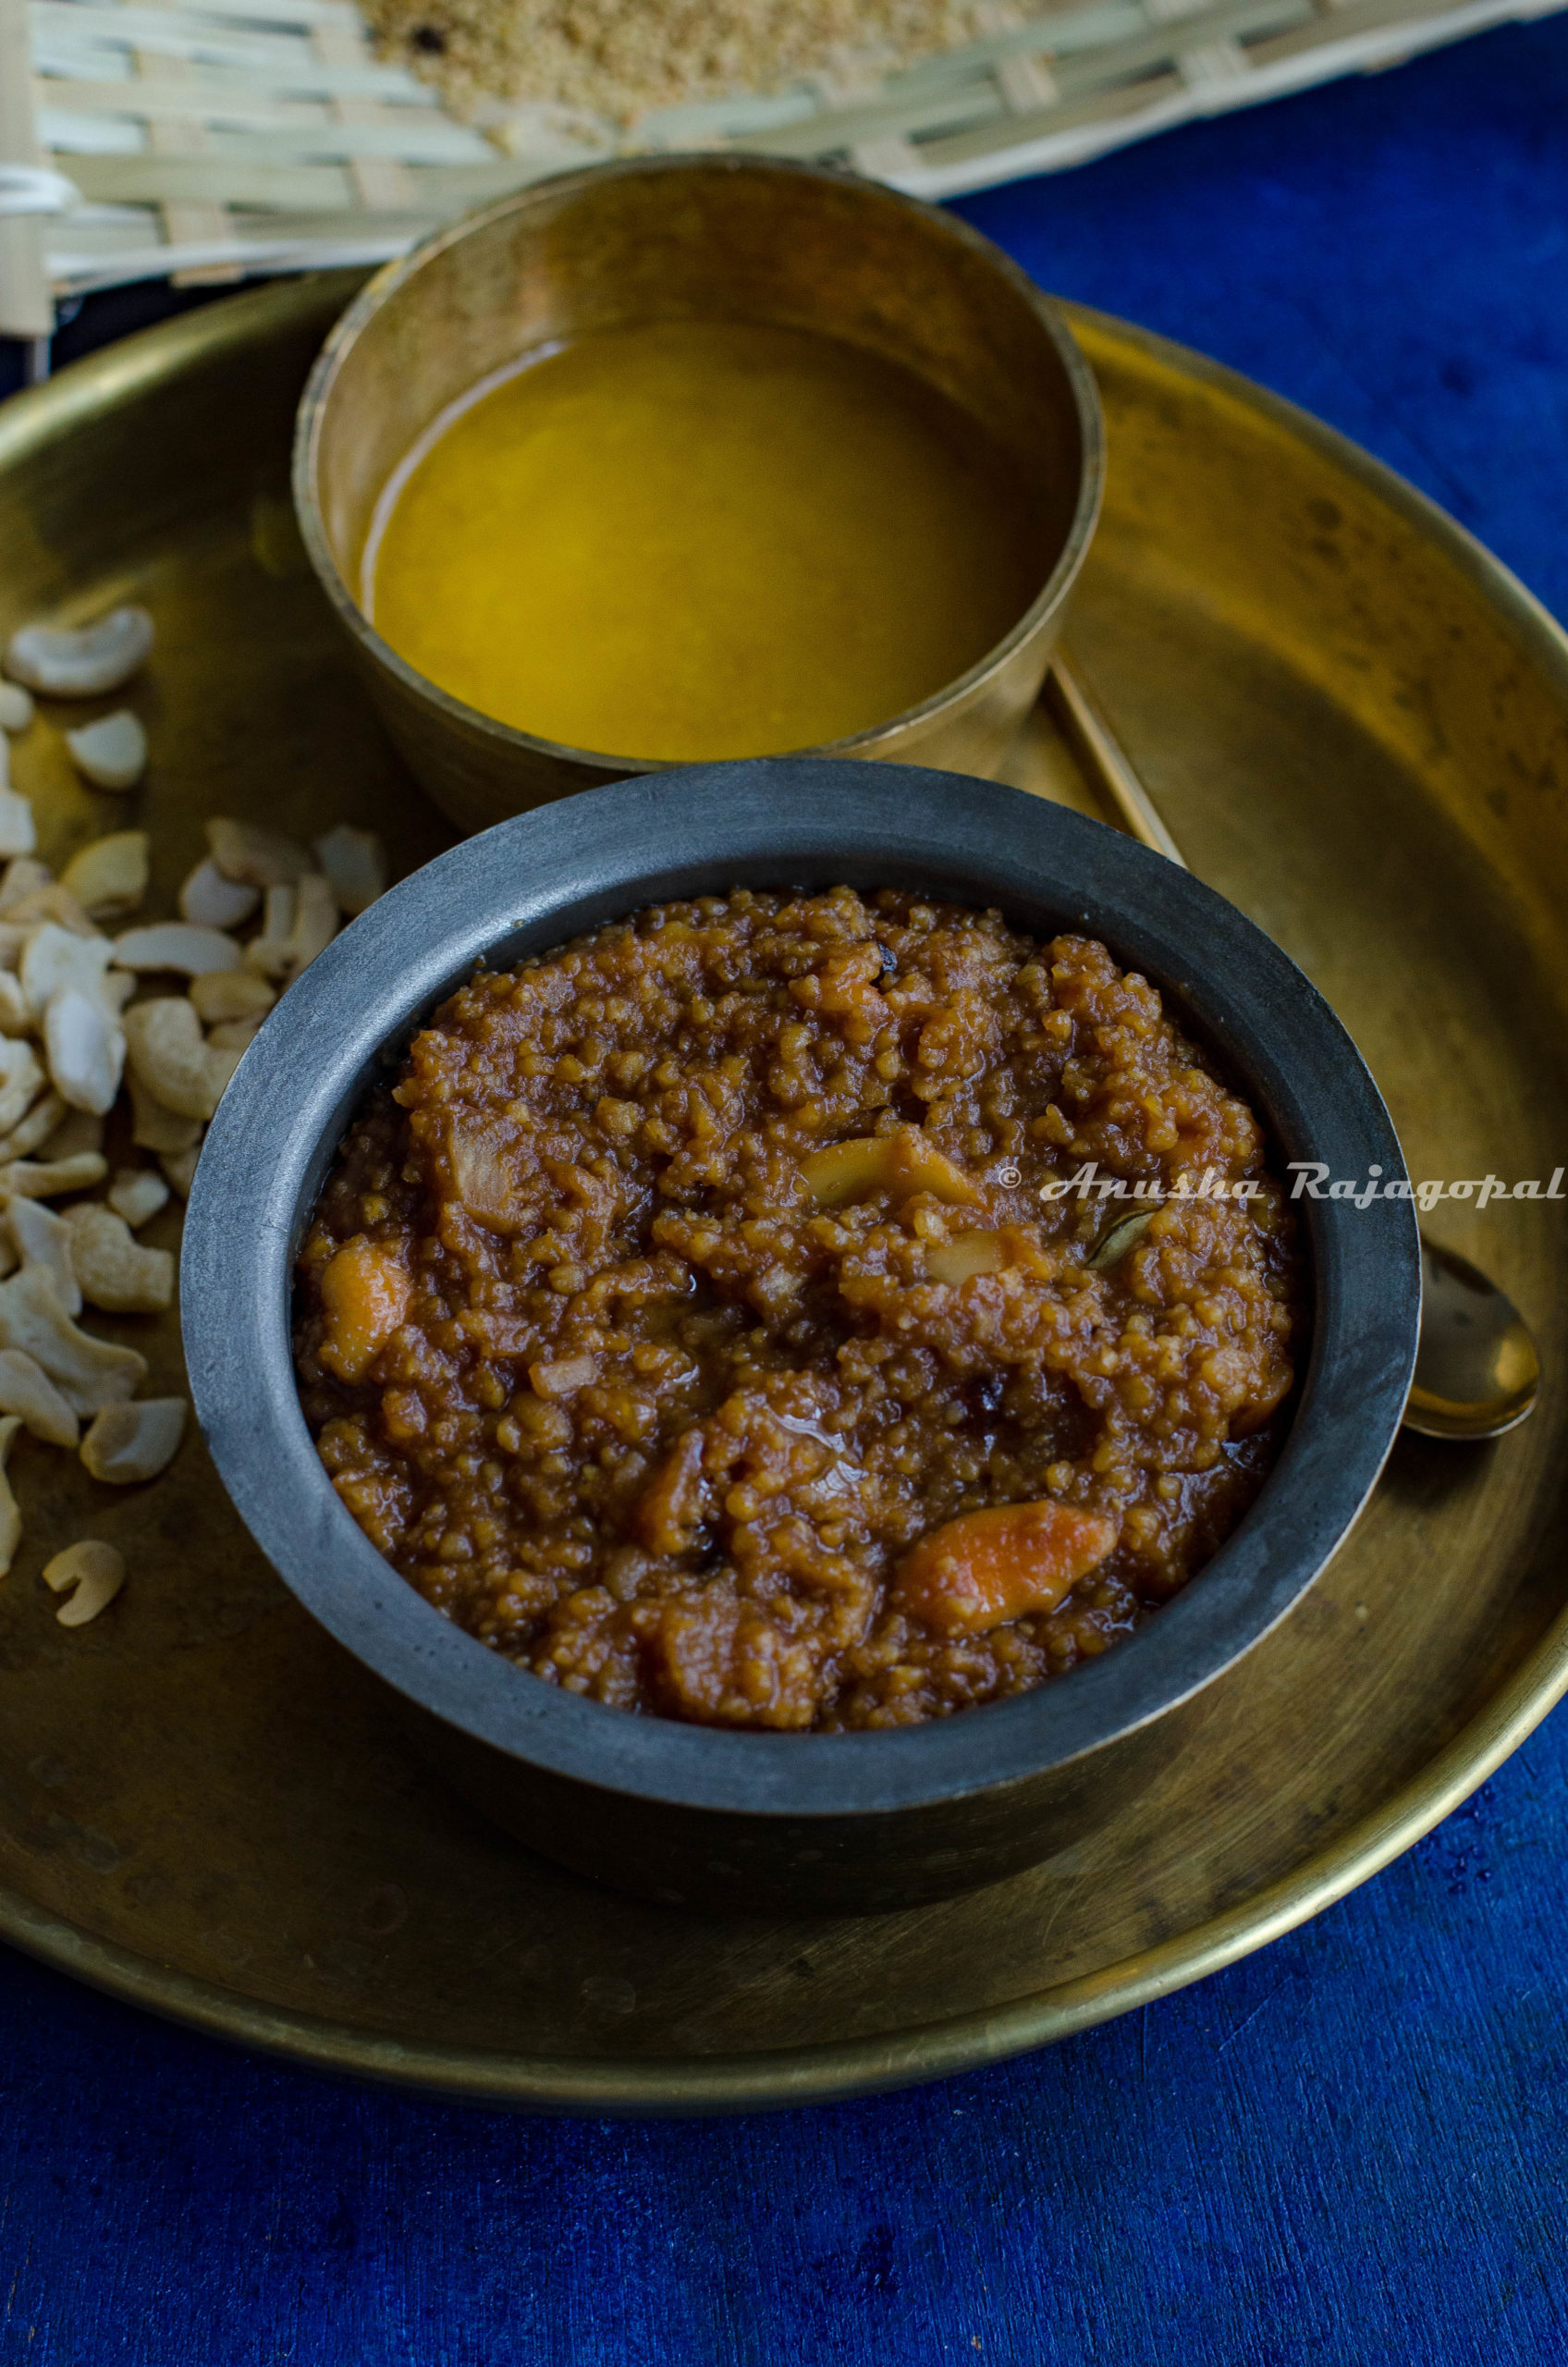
point(1356, 725)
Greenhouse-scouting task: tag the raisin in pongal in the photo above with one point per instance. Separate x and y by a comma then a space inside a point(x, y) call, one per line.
point(695, 1324)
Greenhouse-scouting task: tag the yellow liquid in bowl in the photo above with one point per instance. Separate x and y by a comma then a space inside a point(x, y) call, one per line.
point(690, 540)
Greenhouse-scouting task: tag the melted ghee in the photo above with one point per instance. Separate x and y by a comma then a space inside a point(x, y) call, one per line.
point(691, 540)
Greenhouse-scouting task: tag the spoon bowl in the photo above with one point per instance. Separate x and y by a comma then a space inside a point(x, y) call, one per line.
point(1478, 1370)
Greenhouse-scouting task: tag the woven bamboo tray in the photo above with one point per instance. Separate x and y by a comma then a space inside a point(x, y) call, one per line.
point(145, 139)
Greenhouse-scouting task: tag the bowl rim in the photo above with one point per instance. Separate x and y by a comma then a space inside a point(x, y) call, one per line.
point(379, 290)
point(539, 878)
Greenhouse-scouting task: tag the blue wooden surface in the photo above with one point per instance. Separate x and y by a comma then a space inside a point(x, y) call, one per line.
point(1350, 2149)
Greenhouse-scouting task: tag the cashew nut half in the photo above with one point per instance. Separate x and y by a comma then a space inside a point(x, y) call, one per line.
point(355, 865)
point(130, 1443)
point(89, 1373)
point(176, 945)
point(22, 1080)
point(95, 1570)
point(174, 1063)
point(23, 879)
point(27, 1390)
point(112, 753)
point(56, 958)
point(114, 1270)
point(230, 994)
point(213, 902)
point(155, 1127)
point(136, 1194)
point(84, 664)
point(109, 876)
point(35, 1128)
point(85, 1047)
point(18, 835)
point(261, 858)
point(42, 1238)
point(50, 904)
point(271, 954)
point(47, 1179)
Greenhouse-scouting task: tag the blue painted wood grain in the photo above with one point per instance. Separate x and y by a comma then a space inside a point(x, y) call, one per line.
point(1350, 2151)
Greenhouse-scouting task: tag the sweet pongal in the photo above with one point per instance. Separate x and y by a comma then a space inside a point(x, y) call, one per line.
point(700, 1320)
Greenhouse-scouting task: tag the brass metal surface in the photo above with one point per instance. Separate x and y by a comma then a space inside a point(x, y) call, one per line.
point(1356, 726)
point(705, 238)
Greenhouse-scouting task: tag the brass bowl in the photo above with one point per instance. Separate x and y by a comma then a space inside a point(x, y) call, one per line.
point(727, 238)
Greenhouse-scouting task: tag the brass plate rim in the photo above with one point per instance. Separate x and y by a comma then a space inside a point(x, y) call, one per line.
point(1497, 582)
point(705, 2086)
point(773, 2079)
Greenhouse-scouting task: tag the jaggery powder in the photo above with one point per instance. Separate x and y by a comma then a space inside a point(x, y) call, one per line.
point(700, 1320)
point(616, 59)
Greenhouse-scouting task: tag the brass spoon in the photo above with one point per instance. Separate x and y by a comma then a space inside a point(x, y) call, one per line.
point(1477, 1369)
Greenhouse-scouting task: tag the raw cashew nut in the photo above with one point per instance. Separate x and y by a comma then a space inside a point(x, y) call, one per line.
point(235, 1034)
point(85, 1049)
point(174, 1061)
point(153, 1127)
point(967, 1253)
point(315, 923)
point(899, 1164)
point(42, 1238)
point(230, 994)
point(22, 1080)
point(35, 1128)
point(10, 1511)
point(18, 835)
point(130, 1443)
point(112, 753)
point(355, 865)
point(14, 1018)
point(23, 877)
point(261, 858)
point(109, 877)
point(176, 945)
point(89, 1373)
point(16, 707)
point(113, 1269)
point(97, 1572)
point(27, 1392)
point(213, 902)
point(271, 953)
point(136, 1194)
point(47, 1179)
point(84, 664)
point(56, 958)
point(49, 904)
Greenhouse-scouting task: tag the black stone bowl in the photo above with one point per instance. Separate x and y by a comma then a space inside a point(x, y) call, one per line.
point(813, 1823)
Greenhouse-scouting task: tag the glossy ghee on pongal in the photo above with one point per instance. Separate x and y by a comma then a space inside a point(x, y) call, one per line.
point(689, 540)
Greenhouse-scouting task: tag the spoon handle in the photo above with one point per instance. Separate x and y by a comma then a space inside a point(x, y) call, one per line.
point(1093, 741)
